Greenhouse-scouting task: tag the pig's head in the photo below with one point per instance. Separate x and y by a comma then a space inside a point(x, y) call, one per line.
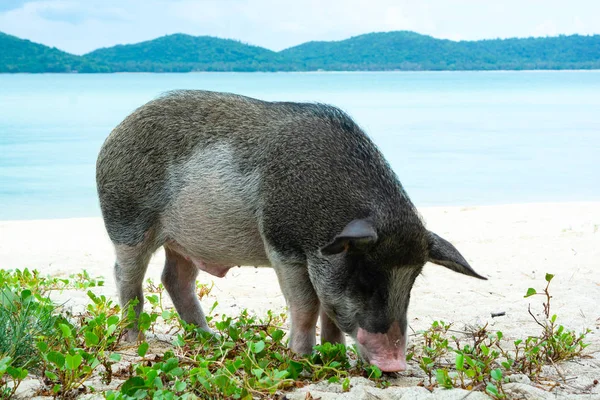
point(364, 279)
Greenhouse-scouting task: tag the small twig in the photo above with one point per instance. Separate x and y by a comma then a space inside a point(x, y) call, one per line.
point(534, 318)
point(558, 371)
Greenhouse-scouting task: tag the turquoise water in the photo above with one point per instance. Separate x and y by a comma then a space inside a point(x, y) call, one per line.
point(453, 138)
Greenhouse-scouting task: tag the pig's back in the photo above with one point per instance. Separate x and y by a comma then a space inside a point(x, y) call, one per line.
point(195, 158)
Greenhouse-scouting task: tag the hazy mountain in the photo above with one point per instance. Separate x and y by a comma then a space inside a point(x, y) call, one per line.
point(184, 53)
point(400, 50)
point(19, 55)
point(412, 51)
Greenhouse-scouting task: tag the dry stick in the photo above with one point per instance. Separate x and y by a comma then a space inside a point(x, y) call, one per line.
point(559, 372)
point(534, 318)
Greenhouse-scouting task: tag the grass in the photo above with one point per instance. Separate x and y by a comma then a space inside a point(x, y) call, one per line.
point(249, 357)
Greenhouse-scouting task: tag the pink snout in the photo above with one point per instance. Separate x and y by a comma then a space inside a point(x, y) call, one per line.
point(385, 350)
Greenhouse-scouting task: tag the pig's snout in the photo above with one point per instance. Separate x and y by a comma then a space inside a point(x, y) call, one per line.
point(384, 350)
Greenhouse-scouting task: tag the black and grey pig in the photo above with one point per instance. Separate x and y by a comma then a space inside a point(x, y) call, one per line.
point(221, 180)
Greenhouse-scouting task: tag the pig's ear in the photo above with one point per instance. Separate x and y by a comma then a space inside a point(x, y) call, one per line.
point(443, 253)
point(357, 234)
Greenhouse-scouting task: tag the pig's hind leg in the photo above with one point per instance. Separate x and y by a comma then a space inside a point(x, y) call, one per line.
point(130, 268)
point(179, 278)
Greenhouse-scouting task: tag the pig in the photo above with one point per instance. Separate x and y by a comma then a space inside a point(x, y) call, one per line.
point(221, 180)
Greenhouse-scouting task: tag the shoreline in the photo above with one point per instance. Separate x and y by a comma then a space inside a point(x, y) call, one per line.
point(358, 71)
point(419, 208)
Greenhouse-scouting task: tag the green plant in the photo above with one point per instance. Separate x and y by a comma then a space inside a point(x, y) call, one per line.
point(41, 285)
point(24, 316)
point(9, 372)
point(554, 344)
point(247, 357)
point(484, 361)
point(83, 346)
point(435, 346)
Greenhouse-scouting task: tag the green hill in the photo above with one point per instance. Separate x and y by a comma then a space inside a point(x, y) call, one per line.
point(400, 50)
point(19, 55)
point(411, 51)
point(184, 53)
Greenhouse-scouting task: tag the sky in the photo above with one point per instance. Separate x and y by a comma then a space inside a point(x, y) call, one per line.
point(80, 26)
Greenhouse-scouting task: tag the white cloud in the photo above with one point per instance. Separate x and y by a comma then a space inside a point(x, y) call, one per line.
point(79, 26)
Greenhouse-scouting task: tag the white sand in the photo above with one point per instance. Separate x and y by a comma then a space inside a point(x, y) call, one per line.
point(513, 245)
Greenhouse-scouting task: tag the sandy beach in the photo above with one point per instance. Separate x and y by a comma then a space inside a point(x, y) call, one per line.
point(512, 245)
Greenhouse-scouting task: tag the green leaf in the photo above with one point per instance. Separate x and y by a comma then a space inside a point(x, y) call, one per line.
point(115, 357)
point(91, 339)
point(4, 364)
point(492, 389)
point(221, 381)
point(234, 333)
point(441, 376)
point(112, 320)
point(460, 361)
point(257, 347)
point(17, 373)
point(281, 374)
point(170, 364)
point(295, 368)
point(277, 335)
point(73, 361)
point(42, 346)
point(66, 330)
point(484, 349)
point(143, 349)
point(346, 384)
point(110, 330)
point(157, 382)
point(132, 384)
point(373, 371)
point(549, 277)
point(25, 294)
point(496, 374)
point(258, 372)
point(530, 292)
point(56, 358)
point(50, 375)
point(180, 386)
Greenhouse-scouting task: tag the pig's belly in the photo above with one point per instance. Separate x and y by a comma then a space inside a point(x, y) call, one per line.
point(213, 219)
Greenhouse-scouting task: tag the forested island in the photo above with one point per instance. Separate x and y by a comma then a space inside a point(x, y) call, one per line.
point(384, 51)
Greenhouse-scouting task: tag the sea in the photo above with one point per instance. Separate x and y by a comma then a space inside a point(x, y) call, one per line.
point(453, 138)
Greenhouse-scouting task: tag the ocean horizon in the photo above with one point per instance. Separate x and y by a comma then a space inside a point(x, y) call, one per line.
point(453, 138)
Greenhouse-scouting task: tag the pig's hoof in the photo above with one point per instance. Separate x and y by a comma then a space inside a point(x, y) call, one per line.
point(133, 336)
point(208, 333)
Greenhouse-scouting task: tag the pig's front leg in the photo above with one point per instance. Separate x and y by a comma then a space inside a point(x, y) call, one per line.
point(303, 303)
point(330, 331)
